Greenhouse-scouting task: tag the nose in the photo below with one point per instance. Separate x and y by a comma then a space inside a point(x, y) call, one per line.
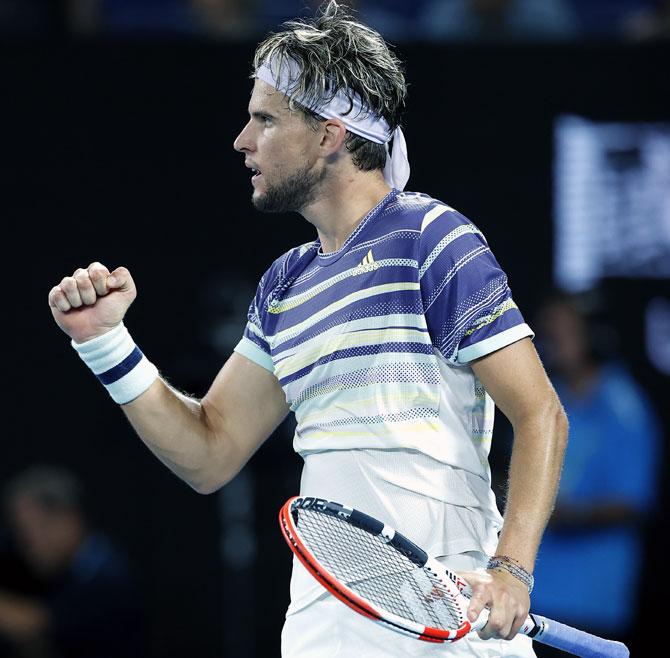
point(243, 141)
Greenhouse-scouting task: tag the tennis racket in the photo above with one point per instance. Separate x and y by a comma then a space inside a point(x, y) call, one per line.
point(384, 576)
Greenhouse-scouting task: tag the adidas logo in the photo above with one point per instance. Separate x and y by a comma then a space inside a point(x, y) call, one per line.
point(368, 264)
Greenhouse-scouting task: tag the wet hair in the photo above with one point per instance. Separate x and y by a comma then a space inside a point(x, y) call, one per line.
point(335, 53)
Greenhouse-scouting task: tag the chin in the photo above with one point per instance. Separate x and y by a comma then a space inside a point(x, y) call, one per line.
point(258, 201)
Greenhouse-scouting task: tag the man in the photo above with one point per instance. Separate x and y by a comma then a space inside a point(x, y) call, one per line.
point(69, 591)
point(610, 476)
point(382, 336)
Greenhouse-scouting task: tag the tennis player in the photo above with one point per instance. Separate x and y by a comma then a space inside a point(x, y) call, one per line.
point(390, 337)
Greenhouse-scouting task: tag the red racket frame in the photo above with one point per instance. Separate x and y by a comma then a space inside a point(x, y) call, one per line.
point(347, 596)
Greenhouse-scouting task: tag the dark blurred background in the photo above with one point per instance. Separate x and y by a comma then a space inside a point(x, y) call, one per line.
point(548, 124)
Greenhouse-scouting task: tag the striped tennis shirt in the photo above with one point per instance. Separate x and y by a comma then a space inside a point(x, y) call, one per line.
point(371, 345)
point(369, 342)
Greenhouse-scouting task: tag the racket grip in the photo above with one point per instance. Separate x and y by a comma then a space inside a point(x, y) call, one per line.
point(576, 642)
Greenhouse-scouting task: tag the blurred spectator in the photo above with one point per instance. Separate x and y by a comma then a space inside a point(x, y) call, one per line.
point(232, 19)
point(607, 18)
point(397, 20)
point(65, 591)
point(650, 25)
point(132, 17)
point(22, 17)
point(590, 559)
point(498, 20)
point(451, 20)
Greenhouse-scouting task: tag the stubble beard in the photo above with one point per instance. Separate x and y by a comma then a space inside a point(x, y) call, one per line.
point(291, 194)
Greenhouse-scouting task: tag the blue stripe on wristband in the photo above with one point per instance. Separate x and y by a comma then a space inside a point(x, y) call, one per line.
point(120, 370)
point(118, 364)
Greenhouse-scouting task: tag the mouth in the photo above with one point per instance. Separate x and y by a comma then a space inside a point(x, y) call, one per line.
point(255, 174)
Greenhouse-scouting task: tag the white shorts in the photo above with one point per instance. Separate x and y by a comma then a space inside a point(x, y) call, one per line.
point(327, 628)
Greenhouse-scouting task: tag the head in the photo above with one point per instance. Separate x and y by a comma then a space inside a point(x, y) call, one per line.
point(42, 506)
point(290, 143)
point(573, 334)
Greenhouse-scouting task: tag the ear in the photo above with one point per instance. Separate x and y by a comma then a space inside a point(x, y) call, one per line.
point(332, 136)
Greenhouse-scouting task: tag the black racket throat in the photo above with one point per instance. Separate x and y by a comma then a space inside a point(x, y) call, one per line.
point(373, 569)
point(361, 520)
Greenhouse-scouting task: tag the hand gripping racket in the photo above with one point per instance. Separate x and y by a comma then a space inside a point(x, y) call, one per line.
point(384, 576)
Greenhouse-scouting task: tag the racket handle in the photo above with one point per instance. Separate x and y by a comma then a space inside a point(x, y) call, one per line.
point(574, 641)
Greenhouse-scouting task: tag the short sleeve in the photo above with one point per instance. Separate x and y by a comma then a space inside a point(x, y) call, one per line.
point(467, 303)
point(253, 344)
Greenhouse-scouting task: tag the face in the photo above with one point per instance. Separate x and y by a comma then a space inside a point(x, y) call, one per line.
point(282, 151)
point(563, 330)
point(46, 539)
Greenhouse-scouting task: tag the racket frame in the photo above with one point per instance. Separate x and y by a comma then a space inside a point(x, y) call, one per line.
point(350, 598)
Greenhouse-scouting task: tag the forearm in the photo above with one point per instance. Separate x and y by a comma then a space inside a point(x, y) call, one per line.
point(184, 436)
point(204, 442)
point(534, 474)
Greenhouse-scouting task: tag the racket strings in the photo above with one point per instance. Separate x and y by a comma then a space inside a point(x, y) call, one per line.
point(378, 572)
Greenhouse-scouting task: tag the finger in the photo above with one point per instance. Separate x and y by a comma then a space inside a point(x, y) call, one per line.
point(85, 287)
point(465, 578)
point(120, 279)
point(519, 619)
point(58, 300)
point(495, 627)
point(69, 287)
point(98, 274)
point(501, 618)
point(478, 601)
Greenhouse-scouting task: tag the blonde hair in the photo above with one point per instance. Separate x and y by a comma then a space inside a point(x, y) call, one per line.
point(336, 53)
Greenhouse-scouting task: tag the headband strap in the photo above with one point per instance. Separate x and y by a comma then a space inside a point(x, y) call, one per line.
point(353, 115)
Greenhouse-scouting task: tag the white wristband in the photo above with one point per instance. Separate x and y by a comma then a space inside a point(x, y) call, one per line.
point(118, 363)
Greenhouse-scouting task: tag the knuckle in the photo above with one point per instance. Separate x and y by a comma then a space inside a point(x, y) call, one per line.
point(495, 624)
point(68, 283)
point(81, 276)
point(97, 268)
point(54, 295)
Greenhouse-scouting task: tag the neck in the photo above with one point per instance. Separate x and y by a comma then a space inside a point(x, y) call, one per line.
point(343, 202)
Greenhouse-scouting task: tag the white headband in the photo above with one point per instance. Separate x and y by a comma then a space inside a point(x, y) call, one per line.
point(351, 113)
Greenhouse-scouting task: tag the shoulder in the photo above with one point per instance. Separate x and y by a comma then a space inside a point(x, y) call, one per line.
point(282, 265)
point(444, 235)
point(279, 270)
point(424, 214)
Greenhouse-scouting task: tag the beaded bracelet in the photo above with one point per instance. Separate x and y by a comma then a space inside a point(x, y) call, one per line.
point(513, 567)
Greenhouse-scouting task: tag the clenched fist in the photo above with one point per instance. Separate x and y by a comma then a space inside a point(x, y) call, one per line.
point(92, 301)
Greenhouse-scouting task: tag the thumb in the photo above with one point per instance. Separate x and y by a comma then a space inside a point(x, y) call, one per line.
point(120, 280)
point(465, 581)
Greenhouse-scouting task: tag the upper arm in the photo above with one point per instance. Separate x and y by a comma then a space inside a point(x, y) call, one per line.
point(466, 299)
point(515, 378)
point(244, 404)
